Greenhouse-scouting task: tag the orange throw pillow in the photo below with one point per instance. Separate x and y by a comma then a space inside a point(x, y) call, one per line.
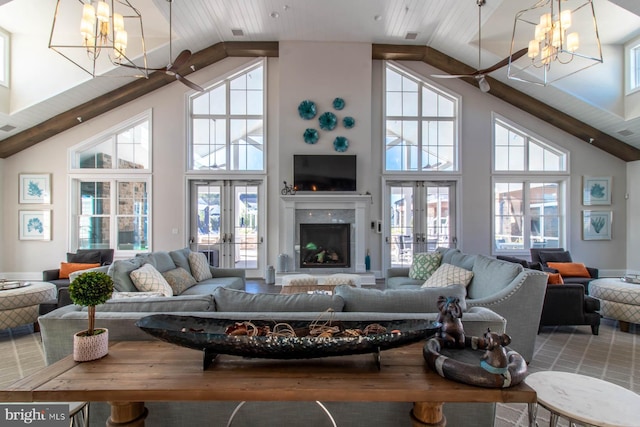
point(570, 269)
point(555, 279)
point(67, 268)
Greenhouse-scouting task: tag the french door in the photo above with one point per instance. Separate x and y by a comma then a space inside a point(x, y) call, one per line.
point(420, 217)
point(227, 223)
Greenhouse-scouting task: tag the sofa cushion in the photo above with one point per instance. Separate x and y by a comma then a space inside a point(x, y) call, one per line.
point(522, 262)
point(448, 274)
point(399, 282)
point(554, 256)
point(161, 260)
point(398, 300)
point(240, 301)
point(85, 257)
point(462, 260)
point(554, 279)
point(119, 272)
point(199, 266)
point(491, 275)
point(181, 258)
point(179, 279)
point(424, 264)
point(148, 279)
point(159, 304)
point(570, 269)
point(67, 268)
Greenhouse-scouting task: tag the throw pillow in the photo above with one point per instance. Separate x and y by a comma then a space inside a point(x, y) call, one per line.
point(199, 266)
point(85, 257)
point(179, 279)
point(67, 268)
point(424, 265)
point(148, 279)
point(570, 269)
point(555, 279)
point(554, 256)
point(448, 274)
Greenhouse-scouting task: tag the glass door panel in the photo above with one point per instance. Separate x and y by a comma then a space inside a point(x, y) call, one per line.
point(401, 212)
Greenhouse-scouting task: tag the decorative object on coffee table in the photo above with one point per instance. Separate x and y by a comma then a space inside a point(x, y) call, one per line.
point(90, 289)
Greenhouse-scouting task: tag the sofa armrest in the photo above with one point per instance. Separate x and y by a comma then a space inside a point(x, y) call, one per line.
point(228, 272)
point(398, 272)
point(593, 272)
point(48, 275)
point(564, 302)
point(64, 298)
point(520, 302)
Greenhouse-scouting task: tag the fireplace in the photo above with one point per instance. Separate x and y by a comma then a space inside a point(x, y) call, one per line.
point(325, 245)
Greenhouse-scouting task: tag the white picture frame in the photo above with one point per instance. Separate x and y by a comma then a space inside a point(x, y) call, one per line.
point(596, 225)
point(35, 225)
point(35, 188)
point(596, 190)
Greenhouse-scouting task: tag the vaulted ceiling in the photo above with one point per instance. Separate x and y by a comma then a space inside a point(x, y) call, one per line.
point(48, 93)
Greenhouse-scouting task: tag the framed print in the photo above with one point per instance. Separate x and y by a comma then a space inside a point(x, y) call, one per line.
point(596, 190)
point(596, 225)
point(35, 225)
point(35, 188)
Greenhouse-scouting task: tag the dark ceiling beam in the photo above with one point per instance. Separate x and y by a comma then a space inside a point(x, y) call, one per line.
point(219, 51)
point(120, 96)
point(536, 108)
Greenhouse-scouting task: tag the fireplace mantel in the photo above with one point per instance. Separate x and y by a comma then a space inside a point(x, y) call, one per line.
point(359, 203)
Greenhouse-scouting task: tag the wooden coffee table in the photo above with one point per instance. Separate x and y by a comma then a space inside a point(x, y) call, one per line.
point(137, 371)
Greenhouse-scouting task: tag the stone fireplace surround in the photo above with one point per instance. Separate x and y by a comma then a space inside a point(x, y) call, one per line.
point(324, 208)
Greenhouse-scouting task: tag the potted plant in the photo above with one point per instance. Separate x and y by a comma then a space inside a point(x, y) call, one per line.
point(90, 289)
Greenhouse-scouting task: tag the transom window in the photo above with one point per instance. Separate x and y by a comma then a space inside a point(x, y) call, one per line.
point(421, 125)
point(124, 148)
point(4, 57)
point(516, 151)
point(227, 123)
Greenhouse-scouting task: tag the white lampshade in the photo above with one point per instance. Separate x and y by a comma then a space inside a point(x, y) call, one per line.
point(118, 22)
point(573, 42)
point(87, 27)
point(534, 49)
point(102, 11)
point(565, 19)
point(88, 12)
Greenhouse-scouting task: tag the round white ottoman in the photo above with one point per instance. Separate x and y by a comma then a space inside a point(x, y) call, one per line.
point(618, 300)
point(19, 306)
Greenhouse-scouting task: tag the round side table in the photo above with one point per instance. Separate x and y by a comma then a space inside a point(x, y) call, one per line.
point(585, 400)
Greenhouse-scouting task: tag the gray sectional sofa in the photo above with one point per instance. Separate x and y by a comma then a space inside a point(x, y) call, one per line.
point(358, 304)
point(514, 292)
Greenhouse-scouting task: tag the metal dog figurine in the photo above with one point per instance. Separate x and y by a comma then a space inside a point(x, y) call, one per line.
point(451, 333)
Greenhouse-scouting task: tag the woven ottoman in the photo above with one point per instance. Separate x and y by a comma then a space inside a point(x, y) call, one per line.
point(20, 306)
point(295, 283)
point(618, 300)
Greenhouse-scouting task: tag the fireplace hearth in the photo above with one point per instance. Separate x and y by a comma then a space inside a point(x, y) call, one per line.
point(325, 245)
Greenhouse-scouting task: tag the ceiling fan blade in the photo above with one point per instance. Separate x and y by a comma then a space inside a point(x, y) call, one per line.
point(181, 59)
point(504, 62)
point(189, 83)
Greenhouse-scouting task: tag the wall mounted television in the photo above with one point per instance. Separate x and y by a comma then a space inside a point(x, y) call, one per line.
point(324, 172)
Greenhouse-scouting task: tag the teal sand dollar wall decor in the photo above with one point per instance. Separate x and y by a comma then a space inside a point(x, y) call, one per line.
point(338, 103)
point(348, 122)
point(307, 109)
point(328, 121)
point(311, 136)
point(340, 144)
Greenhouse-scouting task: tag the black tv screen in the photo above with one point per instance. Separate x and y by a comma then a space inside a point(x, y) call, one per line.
point(324, 172)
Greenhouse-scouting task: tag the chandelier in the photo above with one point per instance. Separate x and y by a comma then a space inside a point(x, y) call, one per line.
point(94, 36)
point(561, 38)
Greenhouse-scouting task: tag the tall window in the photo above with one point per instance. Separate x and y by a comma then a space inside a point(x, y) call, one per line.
point(421, 125)
point(4, 57)
point(634, 67)
point(110, 184)
point(529, 195)
point(227, 123)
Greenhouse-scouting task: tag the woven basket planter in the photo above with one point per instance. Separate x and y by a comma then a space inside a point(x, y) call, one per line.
point(92, 347)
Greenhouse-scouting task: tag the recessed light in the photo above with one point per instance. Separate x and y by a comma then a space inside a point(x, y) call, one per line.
point(411, 35)
point(274, 15)
point(237, 32)
point(377, 18)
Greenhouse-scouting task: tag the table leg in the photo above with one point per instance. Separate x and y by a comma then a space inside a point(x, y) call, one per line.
point(127, 414)
point(533, 413)
point(428, 414)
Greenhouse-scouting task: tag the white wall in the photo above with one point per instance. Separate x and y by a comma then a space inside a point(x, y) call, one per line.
point(320, 72)
point(633, 219)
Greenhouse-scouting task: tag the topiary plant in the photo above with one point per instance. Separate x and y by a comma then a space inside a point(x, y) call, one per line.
point(90, 289)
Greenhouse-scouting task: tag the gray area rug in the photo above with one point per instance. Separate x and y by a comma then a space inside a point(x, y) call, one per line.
point(612, 356)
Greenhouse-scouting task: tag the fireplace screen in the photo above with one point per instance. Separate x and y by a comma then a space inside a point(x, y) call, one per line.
point(325, 245)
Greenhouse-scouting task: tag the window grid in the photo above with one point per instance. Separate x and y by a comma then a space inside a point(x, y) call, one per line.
point(227, 124)
point(421, 124)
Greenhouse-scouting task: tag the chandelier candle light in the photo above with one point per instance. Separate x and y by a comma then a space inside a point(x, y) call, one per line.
point(102, 30)
point(562, 39)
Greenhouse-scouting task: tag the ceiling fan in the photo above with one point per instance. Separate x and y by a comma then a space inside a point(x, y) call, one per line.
point(480, 74)
point(172, 68)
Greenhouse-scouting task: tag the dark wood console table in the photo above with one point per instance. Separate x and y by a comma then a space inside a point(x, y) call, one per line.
point(137, 371)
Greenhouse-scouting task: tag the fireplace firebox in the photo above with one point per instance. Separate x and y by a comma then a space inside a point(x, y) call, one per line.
point(325, 245)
